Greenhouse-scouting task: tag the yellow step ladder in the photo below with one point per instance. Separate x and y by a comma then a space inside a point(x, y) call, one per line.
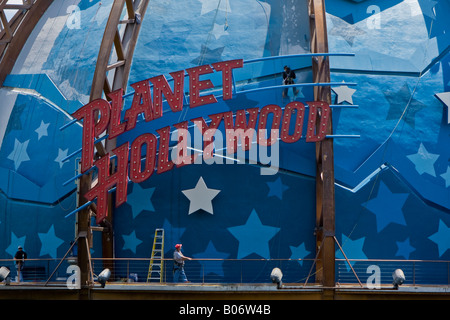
point(156, 267)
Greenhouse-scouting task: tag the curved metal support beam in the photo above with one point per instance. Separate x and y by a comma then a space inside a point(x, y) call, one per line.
point(124, 47)
point(16, 31)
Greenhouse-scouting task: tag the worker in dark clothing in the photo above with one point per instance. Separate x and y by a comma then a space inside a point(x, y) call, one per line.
point(20, 258)
point(288, 78)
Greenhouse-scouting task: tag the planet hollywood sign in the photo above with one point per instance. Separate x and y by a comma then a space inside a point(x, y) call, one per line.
point(100, 116)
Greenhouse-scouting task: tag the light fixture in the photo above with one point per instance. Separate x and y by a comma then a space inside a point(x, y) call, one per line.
point(399, 277)
point(104, 276)
point(276, 277)
point(4, 275)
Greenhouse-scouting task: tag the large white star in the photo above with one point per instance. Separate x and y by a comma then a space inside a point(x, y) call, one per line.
point(219, 30)
point(61, 155)
point(424, 161)
point(201, 197)
point(344, 93)
point(444, 97)
point(42, 130)
point(19, 153)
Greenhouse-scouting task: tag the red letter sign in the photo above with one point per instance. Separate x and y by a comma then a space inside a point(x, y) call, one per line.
point(115, 127)
point(136, 173)
point(142, 103)
point(107, 181)
point(174, 99)
point(227, 75)
point(315, 134)
point(195, 85)
point(288, 111)
point(92, 128)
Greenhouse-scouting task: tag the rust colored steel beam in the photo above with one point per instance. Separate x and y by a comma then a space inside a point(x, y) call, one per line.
point(325, 202)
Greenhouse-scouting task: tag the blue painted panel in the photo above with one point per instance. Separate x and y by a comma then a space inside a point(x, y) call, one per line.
point(392, 184)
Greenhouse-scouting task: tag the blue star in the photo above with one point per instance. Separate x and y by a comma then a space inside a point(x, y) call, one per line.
point(353, 250)
point(276, 188)
point(140, 199)
point(212, 266)
point(398, 101)
point(15, 243)
point(441, 237)
point(446, 177)
point(131, 242)
point(253, 237)
point(299, 252)
point(424, 161)
point(50, 243)
point(387, 214)
point(404, 248)
point(172, 235)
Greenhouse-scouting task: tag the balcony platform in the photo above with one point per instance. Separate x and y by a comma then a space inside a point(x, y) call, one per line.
point(211, 291)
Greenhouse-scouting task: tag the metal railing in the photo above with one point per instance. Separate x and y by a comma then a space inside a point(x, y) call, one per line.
point(244, 271)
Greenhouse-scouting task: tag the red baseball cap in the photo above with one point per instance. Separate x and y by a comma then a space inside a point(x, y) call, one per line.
point(177, 246)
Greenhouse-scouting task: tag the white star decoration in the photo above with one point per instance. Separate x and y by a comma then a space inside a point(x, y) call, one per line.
point(19, 153)
point(201, 197)
point(42, 130)
point(219, 30)
point(424, 161)
point(61, 155)
point(444, 97)
point(344, 93)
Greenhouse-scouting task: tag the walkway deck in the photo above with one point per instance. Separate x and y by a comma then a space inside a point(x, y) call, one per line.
point(192, 291)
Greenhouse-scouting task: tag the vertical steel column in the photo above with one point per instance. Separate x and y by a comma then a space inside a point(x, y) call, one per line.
point(325, 206)
point(124, 49)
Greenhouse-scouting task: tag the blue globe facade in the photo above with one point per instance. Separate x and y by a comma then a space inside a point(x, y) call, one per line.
point(392, 168)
